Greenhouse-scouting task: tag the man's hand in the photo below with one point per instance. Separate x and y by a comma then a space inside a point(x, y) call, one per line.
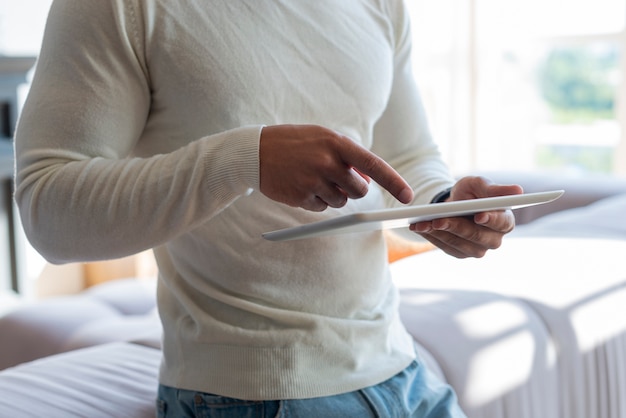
point(464, 237)
point(313, 167)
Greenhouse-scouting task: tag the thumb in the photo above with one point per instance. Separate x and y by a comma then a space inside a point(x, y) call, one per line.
point(475, 187)
point(494, 190)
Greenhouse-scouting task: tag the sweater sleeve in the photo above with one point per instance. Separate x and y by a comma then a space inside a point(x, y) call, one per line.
point(81, 194)
point(401, 135)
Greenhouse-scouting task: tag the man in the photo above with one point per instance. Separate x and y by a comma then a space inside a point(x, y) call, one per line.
point(192, 128)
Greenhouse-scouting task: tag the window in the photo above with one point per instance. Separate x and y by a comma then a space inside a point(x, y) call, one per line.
point(524, 85)
point(21, 26)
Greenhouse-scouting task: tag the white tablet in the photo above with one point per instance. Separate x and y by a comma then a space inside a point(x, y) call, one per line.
point(401, 217)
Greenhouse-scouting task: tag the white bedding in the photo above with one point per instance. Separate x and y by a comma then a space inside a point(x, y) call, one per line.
point(540, 322)
point(110, 380)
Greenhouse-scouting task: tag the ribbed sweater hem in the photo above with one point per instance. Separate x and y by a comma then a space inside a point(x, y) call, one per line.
point(270, 373)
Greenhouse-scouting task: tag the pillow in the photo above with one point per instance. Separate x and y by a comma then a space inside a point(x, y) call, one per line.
point(601, 219)
point(399, 247)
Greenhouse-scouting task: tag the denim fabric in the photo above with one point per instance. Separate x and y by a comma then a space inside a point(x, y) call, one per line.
point(412, 393)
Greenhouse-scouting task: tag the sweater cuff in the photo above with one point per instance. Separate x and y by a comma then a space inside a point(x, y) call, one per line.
point(233, 162)
point(247, 157)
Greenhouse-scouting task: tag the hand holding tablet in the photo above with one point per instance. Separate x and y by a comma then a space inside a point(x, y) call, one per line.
point(401, 217)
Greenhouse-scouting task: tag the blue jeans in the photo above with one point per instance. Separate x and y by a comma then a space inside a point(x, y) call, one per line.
point(414, 392)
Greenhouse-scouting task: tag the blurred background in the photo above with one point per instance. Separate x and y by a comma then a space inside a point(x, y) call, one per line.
point(508, 85)
point(525, 85)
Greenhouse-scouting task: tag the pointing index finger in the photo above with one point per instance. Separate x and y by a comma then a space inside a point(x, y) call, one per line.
point(369, 164)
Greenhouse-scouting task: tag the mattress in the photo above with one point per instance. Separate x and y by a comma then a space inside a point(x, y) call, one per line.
point(110, 380)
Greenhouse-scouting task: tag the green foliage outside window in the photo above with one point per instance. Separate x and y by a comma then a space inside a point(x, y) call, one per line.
point(578, 83)
point(588, 159)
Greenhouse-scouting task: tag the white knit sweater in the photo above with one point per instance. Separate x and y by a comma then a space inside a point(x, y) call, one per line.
point(141, 130)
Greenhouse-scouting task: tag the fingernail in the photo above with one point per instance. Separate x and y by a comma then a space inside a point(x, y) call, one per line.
point(421, 227)
point(441, 226)
point(405, 196)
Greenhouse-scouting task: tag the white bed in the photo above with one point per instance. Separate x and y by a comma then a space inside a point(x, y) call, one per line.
point(535, 329)
point(115, 380)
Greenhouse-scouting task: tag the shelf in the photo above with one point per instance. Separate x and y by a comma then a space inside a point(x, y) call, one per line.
point(6, 158)
point(16, 65)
